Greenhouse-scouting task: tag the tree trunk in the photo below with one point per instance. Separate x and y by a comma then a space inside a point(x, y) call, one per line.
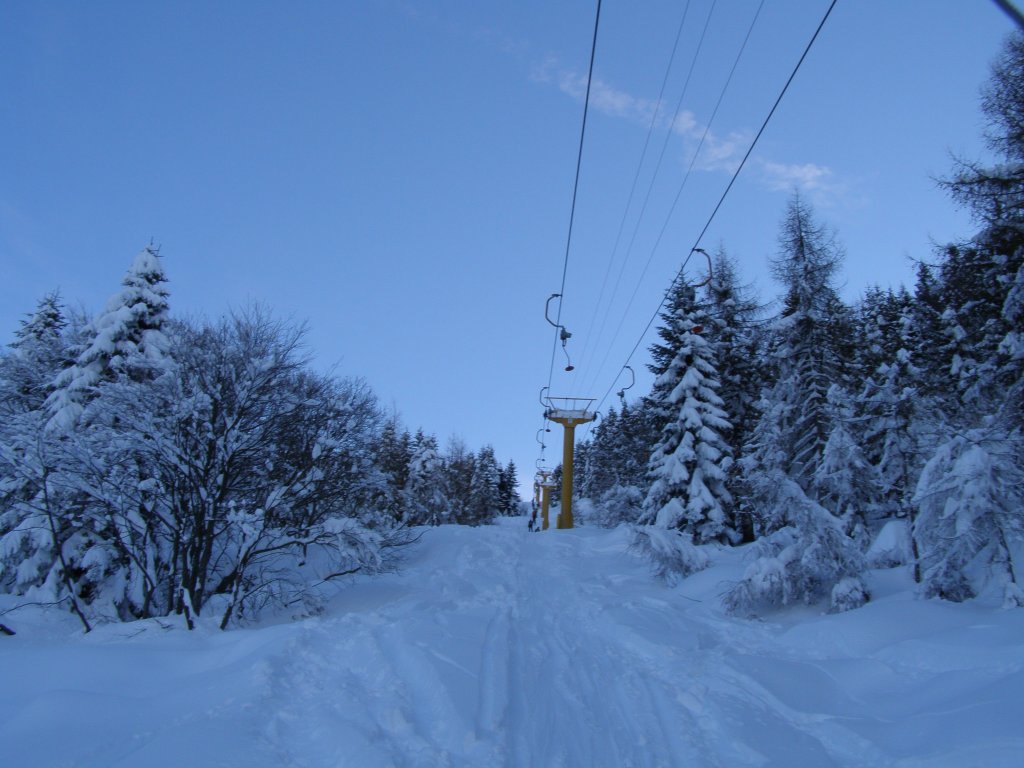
point(58, 545)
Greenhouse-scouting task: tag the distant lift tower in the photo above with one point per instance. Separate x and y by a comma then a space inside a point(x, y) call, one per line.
point(544, 486)
point(570, 412)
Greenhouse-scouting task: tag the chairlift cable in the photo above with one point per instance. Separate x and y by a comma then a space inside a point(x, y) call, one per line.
point(721, 200)
point(636, 178)
point(560, 331)
point(575, 191)
point(682, 186)
point(1010, 10)
point(657, 169)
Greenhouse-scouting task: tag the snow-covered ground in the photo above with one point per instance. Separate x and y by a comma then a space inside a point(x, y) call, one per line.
point(496, 647)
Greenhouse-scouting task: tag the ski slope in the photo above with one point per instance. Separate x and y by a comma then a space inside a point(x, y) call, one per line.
point(496, 647)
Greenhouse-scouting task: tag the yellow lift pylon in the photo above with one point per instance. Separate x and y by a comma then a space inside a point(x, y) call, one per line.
point(570, 412)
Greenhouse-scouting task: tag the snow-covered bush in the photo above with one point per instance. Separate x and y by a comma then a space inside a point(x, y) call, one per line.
point(619, 504)
point(800, 562)
point(891, 547)
point(228, 478)
point(672, 553)
point(847, 594)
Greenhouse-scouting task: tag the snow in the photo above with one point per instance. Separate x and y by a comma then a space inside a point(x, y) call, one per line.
point(892, 546)
point(497, 647)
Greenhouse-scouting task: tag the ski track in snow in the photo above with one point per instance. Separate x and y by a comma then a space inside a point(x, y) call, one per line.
point(495, 647)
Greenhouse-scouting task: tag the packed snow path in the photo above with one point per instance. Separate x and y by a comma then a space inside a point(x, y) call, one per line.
point(496, 647)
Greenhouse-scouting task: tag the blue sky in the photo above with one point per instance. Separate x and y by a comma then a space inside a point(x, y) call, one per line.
point(399, 174)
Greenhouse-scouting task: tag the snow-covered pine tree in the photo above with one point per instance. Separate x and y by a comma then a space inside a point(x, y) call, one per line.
point(968, 494)
point(36, 356)
point(805, 552)
point(427, 501)
point(844, 481)
point(971, 521)
point(805, 347)
point(688, 466)
point(977, 277)
point(878, 319)
point(1011, 349)
point(459, 465)
point(891, 406)
point(927, 336)
point(508, 489)
point(393, 454)
point(484, 496)
point(638, 437)
point(600, 457)
point(617, 456)
point(127, 339)
point(733, 312)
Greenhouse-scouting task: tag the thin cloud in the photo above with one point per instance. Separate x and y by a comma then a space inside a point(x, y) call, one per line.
point(722, 154)
point(717, 153)
point(804, 176)
point(685, 124)
point(818, 182)
point(607, 99)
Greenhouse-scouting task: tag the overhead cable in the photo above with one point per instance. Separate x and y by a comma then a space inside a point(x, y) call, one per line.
point(575, 191)
point(596, 373)
point(559, 328)
point(657, 168)
point(636, 177)
point(721, 200)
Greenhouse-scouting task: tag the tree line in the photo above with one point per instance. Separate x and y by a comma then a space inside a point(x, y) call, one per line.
point(152, 465)
point(840, 437)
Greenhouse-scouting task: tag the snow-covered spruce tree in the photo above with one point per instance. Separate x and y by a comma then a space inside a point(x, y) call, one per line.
point(688, 466)
point(508, 489)
point(393, 455)
point(977, 277)
point(805, 341)
point(806, 551)
point(963, 524)
point(638, 437)
point(51, 543)
point(38, 353)
point(891, 406)
point(27, 370)
point(971, 520)
point(845, 482)
point(879, 323)
point(733, 312)
point(63, 555)
point(927, 336)
point(484, 496)
point(459, 465)
point(427, 502)
point(126, 339)
point(617, 466)
point(598, 457)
